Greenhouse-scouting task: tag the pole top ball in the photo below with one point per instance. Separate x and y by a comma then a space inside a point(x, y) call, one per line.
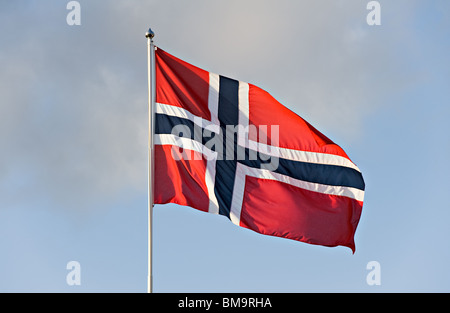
point(150, 34)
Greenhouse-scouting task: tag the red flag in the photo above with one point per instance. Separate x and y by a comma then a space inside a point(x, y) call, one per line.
point(228, 147)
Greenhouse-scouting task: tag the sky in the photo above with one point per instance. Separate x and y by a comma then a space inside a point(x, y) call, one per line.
point(73, 138)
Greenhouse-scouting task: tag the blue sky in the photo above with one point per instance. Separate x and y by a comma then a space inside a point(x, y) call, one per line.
point(73, 171)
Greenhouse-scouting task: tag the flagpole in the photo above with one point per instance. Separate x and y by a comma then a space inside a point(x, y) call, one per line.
point(151, 104)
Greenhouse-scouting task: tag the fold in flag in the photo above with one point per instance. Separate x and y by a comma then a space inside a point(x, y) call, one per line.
point(228, 147)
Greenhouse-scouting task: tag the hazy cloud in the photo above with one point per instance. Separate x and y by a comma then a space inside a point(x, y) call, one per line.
point(74, 98)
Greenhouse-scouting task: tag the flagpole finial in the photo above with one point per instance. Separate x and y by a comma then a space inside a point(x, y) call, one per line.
point(149, 34)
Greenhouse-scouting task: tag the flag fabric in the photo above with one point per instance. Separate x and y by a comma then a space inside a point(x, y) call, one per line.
point(228, 147)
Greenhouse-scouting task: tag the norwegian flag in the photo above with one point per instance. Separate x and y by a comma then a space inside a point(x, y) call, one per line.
point(228, 147)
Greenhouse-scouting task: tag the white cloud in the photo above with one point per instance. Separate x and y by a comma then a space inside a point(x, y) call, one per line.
point(75, 97)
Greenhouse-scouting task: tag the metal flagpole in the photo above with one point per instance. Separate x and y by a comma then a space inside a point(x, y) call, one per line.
point(151, 104)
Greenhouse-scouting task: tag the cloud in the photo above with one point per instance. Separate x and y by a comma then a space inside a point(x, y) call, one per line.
point(74, 98)
point(75, 117)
